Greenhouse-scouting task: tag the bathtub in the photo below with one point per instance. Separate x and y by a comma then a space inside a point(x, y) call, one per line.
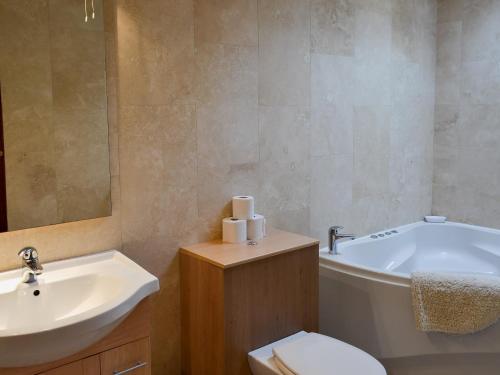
point(365, 290)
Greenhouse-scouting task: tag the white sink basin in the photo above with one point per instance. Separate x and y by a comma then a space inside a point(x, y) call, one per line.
point(80, 301)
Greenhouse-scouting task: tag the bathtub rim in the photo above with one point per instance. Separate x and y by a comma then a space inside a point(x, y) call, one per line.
point(327, 263)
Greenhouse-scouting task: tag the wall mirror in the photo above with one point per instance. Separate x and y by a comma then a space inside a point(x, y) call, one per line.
point(54, 152)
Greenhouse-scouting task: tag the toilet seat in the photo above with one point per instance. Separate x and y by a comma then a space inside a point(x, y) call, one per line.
point(316, 354)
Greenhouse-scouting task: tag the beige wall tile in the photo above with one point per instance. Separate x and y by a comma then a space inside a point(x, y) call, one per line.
point(479, 127)
point(297, 221)
point(449, 10)
point(282, 133)
point(157, 156)
point(444, 199)
point(284, 186)
point(228, 22)
point(448, 83)
point(379, 6)
point(284, 179)
point(331, 188)
point(227, 135)
point(226, 73)
point(284, 44)
point(481, 30)
point(332, 27)
point(447, 121)
point(331, 130)
point(446, 147)
point(228, 157)
point(480, 83)
point(481, 166)
point(466, 173)
point(178, 134)
point(371, 128)
point(373, 82)
point(481, 208)
point(449, 37)
point(371, 213)
point(404, 30)
point(332, 81)
point(227, 115)
point(155, 51)
point(373, 31)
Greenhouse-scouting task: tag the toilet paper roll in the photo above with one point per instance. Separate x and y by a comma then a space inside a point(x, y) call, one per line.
point(256, 227)
point(243, 207)
point(234, 230)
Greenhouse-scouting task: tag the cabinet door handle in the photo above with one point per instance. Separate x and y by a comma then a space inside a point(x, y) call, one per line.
point(138, 365)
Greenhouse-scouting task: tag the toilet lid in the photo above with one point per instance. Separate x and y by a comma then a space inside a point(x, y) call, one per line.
point(315, 354)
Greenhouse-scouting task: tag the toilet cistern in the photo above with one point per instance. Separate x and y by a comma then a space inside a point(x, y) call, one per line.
point(31, 266)
point(334, 236)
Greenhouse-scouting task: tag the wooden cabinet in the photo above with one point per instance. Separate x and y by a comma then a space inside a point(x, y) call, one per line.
point(237, 298)
point(87, 366)
point(133, 359)
point(126, 350)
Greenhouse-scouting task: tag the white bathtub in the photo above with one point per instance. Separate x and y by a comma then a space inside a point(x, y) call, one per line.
point(365, 295)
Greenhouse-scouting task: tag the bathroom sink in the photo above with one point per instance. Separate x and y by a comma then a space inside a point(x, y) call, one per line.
point(73, 304)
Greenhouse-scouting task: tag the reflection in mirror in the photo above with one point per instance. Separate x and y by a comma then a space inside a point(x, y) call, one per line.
point(54, 163)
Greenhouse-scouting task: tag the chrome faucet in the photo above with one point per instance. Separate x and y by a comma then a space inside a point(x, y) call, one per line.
point(31, 265)
point(334, 236)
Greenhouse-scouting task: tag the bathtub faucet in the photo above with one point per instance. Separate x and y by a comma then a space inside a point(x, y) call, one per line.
point(334, 236)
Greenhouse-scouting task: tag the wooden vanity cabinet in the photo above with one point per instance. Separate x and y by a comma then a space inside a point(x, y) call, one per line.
point(134, 357)
point(87, 366)
point(126, 350)
point(236, 298)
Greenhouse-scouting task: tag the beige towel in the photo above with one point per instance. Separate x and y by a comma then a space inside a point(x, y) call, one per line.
point(455, 303)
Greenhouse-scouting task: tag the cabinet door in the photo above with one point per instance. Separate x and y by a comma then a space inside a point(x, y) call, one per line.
point(87, 366)
point(129, 359)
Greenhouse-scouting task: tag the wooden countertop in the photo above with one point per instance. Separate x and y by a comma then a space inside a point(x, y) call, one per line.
point(226, 255)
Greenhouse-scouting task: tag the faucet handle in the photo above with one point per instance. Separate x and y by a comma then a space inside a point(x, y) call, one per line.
point(335, 229)
point(30, 259)
point(28, 253)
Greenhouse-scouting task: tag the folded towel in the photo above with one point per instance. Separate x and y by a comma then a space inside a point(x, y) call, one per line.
point(455, 303)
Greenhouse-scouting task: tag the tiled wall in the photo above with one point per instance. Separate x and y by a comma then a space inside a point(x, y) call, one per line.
point(322, 109)
point(372, 104)
point(467, 157)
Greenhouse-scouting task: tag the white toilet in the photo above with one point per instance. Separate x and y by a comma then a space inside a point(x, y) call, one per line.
point(312, 354)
